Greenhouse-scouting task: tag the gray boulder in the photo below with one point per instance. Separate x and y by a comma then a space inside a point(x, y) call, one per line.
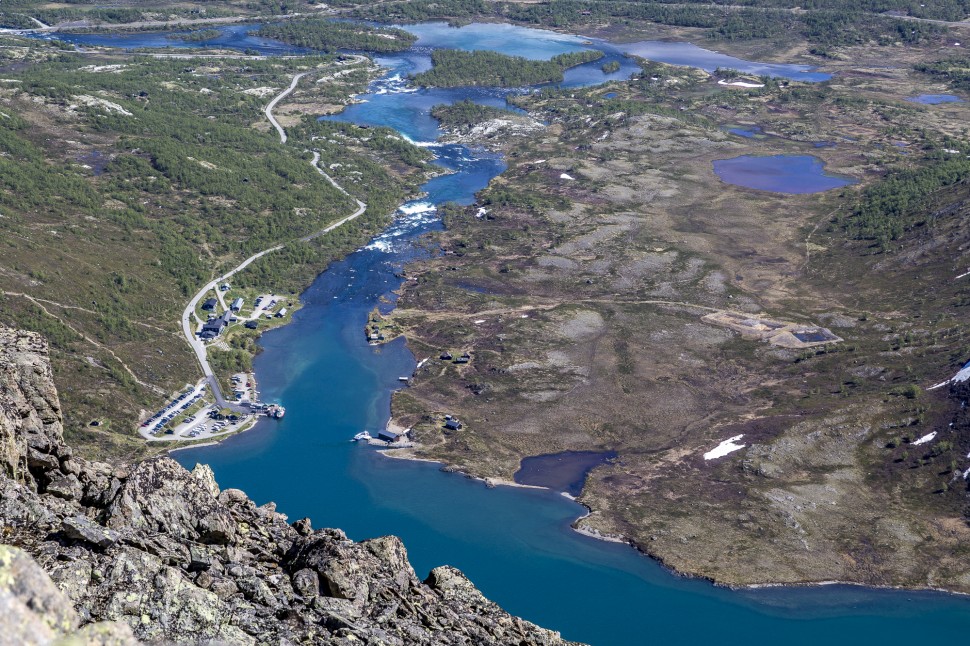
point(82, 528)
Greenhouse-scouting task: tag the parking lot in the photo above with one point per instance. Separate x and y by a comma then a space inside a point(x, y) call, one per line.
point(200, 419)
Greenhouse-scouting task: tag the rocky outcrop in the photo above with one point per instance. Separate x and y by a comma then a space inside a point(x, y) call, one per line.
point(492, 130)
point(102, 554)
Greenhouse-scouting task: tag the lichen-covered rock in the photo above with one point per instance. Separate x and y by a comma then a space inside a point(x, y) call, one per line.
point(155, 553)
point(30, 414)
point(82, 528)
point(160, 495)
point(203, 473)
point(66, 486)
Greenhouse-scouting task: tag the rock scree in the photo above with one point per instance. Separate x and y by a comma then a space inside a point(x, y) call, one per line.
point(98, 553)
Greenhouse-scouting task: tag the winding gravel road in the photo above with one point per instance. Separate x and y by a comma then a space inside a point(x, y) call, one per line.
point(190, 321)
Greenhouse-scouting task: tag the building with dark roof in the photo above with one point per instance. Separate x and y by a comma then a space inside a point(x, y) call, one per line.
point(214, 326)
point(209, 305)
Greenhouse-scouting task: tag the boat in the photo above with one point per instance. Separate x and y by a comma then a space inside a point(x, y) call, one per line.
point(275, 411)
point(362, 436)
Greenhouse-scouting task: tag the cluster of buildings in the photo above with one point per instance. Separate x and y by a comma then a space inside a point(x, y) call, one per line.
point(217, 324)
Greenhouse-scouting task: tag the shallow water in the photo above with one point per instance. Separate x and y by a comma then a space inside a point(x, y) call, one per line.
point(564, 471)
point(690, 55)
point(230, 37)
point(793, 174)
point(748, 133)
point(935, 99)
point(514, 543)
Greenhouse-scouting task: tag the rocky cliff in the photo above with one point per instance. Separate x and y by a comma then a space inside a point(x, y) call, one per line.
point(96, 553)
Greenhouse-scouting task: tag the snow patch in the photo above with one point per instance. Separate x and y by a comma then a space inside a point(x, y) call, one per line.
point(960, 377)
point(926, 438)
point(566, 176)
point(740, 84)
point(725, 447)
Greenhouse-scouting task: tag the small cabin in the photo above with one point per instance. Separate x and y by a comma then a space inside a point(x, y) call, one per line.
point(465, 358)
point(252, 325)
point(446, 356)
point(392, 436)
point(236, 304)
point(209, 305)
point(452, 423)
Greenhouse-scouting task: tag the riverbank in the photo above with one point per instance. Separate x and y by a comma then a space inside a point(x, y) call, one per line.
point(654, 380)
point(376, 494)
point(338, 385)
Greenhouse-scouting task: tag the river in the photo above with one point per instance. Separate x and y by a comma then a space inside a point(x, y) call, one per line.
point(515, 544)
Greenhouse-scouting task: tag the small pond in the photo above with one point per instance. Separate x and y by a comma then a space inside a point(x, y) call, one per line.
point(935, 99)
point(795, 174)
point(749, 132)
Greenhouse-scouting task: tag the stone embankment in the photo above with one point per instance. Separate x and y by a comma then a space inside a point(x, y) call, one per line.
point(101, 553)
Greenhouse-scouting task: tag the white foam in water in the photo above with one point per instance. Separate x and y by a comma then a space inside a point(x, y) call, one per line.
point(412, 214)
point(420, 144)
point(379, 245)
point(418, 207)
point(396, 84)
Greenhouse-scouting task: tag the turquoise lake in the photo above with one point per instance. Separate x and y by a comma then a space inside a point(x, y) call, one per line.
point(515, 544)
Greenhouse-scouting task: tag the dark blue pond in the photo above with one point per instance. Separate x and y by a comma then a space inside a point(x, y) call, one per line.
point(778, 173)
point(935, 99)
point(748, 133)
point(514, 543)
point(564, 471)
